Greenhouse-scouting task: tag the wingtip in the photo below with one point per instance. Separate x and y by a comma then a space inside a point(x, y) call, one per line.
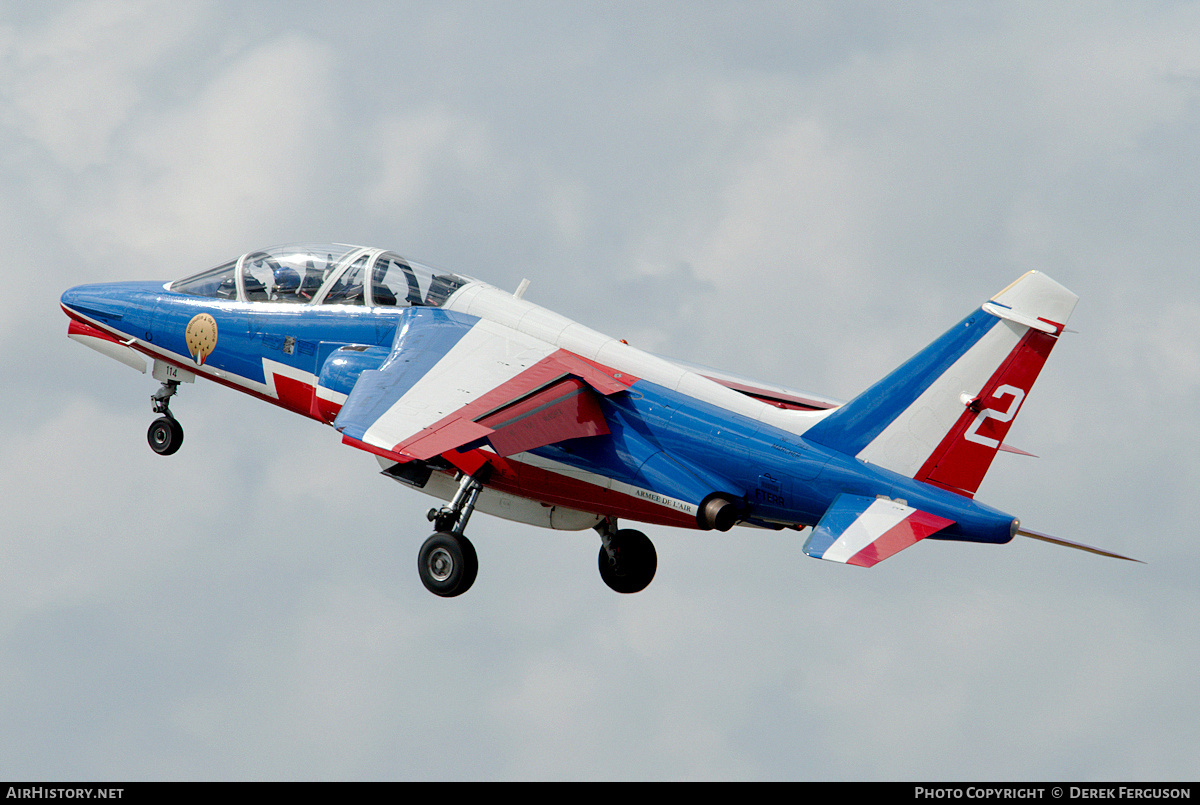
point(1079, 546)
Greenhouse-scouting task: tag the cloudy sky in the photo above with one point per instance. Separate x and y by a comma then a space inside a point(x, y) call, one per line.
point(802, 192)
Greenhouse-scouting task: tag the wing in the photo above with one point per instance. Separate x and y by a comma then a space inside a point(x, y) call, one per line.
point(453, 381)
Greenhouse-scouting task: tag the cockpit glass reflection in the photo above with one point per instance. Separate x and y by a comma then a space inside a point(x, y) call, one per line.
point(331, 274)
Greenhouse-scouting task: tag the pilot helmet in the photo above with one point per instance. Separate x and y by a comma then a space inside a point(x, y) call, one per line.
point(287, 280)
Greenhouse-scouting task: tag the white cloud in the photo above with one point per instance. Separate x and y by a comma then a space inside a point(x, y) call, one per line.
point(73, 82)
point(791, 217)
point(74, 541)
point(245, 156)
point(420, 148)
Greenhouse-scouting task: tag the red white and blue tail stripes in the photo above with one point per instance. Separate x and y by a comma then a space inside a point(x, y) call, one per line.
point(863, 531)
point(942, 416)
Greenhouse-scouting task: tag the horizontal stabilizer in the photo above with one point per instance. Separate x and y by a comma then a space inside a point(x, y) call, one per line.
point(863, 531)
point(1079, 546)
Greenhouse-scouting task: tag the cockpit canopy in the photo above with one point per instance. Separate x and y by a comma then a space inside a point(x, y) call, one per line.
point(324, 274)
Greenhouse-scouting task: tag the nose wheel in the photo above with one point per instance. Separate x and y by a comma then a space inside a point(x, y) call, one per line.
point(165, 434)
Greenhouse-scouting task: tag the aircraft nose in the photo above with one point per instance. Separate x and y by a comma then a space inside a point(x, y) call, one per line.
point(124, 306)
point(72, 298)
point(94, 301)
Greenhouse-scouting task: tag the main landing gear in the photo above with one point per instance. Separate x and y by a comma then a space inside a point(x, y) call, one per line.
point(165, 434)
point(627, 557)
point(447, 562)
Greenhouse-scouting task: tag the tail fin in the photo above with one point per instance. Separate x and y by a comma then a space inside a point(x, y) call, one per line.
point(943, 415)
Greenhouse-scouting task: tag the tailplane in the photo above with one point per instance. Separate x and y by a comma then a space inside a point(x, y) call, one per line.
point(942, 416)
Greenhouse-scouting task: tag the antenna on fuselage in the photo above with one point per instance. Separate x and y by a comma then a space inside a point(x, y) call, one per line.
point(520, 292)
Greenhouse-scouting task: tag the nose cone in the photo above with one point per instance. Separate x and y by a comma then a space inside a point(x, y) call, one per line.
point(94, 302)
point(121, 309)
point(82, 299)
point(110, 302)
point(70, 297)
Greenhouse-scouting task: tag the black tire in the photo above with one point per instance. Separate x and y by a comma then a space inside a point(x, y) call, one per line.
point(165, 436)
point(472, 560)
point(636, 562)
point(447, 565)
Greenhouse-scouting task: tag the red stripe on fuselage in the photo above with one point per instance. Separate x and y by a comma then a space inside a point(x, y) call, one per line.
point(556, 489)
point(294, 395)
point(83, 328)
point(548, 487)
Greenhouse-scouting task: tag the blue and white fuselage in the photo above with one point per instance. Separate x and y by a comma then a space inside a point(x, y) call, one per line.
point(482, 398)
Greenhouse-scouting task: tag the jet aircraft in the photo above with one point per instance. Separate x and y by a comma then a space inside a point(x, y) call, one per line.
point(489, 402)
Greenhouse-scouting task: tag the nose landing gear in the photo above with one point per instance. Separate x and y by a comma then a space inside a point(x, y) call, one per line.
point(165, 434)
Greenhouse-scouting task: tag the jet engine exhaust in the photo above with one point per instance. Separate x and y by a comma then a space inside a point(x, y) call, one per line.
point(718, 512)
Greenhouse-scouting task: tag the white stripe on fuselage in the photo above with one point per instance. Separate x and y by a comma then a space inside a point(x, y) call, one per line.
point(488, 303)
point(485, 357)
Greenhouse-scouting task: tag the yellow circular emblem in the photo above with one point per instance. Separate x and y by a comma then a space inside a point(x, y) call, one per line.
point(201, 337)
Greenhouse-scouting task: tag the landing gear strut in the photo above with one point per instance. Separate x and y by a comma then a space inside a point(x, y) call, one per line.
point(165, 434)
point(627, 557)
point(447, 562)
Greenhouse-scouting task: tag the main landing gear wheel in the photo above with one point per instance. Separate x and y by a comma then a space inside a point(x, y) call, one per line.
point(632, 563)
point(447, 561)
point(448, 564)
point(165, 435)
